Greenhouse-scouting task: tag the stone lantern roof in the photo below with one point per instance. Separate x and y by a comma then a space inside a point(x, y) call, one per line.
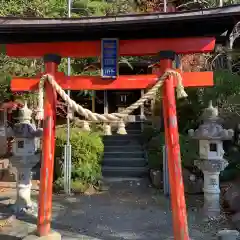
point(24, 113)
point(24, 128)
point(211, 129)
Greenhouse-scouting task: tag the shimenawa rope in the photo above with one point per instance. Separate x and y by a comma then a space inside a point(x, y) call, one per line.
point(111, 117)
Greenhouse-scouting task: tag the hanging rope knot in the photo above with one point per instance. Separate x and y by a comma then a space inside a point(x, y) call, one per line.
point(107, 129)
point(121, 128)
point(179, 88)
point(112, 117)
point(86, 126)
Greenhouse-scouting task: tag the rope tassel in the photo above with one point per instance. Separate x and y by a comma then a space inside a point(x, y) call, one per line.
point(86, 126)
point(181, 92)
point(180, 88)
point(121, 128)
point(107, 129)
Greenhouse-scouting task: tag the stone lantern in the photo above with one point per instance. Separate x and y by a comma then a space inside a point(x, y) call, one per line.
point(211, 135)
point(25, 156)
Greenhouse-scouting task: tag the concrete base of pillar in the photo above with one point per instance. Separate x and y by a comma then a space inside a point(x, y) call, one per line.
point(51, 236)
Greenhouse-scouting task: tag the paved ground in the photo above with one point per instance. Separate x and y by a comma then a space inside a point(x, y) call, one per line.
point(129, 210)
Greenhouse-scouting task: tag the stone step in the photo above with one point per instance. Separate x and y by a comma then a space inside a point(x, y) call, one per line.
point(133, 126)
point(127, 148)
point(108, 180)
point(124, 155)
point(132, 133)
point(129, 139)
point(121, 142)
point(129, 127)
point(120, 136)
point(124, 162)
point(132, 172)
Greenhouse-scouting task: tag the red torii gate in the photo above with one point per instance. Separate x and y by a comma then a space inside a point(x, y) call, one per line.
point(52, 53)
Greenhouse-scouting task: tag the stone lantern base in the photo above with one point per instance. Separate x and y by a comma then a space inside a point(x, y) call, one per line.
point(211, 204)
point(211, 170)
point(23, 183)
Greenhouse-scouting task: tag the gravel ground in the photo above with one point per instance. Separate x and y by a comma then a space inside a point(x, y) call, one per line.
point(128, 210)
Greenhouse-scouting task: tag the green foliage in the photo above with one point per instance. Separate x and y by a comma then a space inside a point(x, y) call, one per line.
point(16, 67)
point(41, 8)
point(231, 172)
point(34, 8)
point(87, 152)
point(76, 185)
point(154, 144)
point(92, 8)
point(226, 86)
point(5, 88)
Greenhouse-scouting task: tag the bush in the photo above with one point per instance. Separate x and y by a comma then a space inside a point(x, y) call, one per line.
point(149, 132)
point(154, 146)
point(87, 152)
point(77, 186)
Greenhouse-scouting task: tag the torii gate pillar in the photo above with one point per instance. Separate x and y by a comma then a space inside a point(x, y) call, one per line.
point(179, 217)
point(46, 184)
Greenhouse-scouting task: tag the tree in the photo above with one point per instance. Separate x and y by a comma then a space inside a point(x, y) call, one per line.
point(33, 8)
point(42, 8)
point(91, 8)
point(58, 8)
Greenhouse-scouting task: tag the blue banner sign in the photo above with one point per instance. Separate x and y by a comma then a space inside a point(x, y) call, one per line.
point(109, 58)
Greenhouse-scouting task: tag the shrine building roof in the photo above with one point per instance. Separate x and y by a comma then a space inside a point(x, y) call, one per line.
point(205, 22)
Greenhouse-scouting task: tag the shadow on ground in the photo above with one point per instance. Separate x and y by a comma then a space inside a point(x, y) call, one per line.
point(8, 237)
point(128, 210)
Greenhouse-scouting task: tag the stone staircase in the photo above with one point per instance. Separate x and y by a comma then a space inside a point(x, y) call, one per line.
point(124, 155)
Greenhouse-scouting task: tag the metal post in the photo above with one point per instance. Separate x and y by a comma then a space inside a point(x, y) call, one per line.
point(166, 186)
point(165, 5)
point(105, 102)
point(46, 179)
point(142, 117)
point(93, 101)
point(179, 215)
point(67, 147)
